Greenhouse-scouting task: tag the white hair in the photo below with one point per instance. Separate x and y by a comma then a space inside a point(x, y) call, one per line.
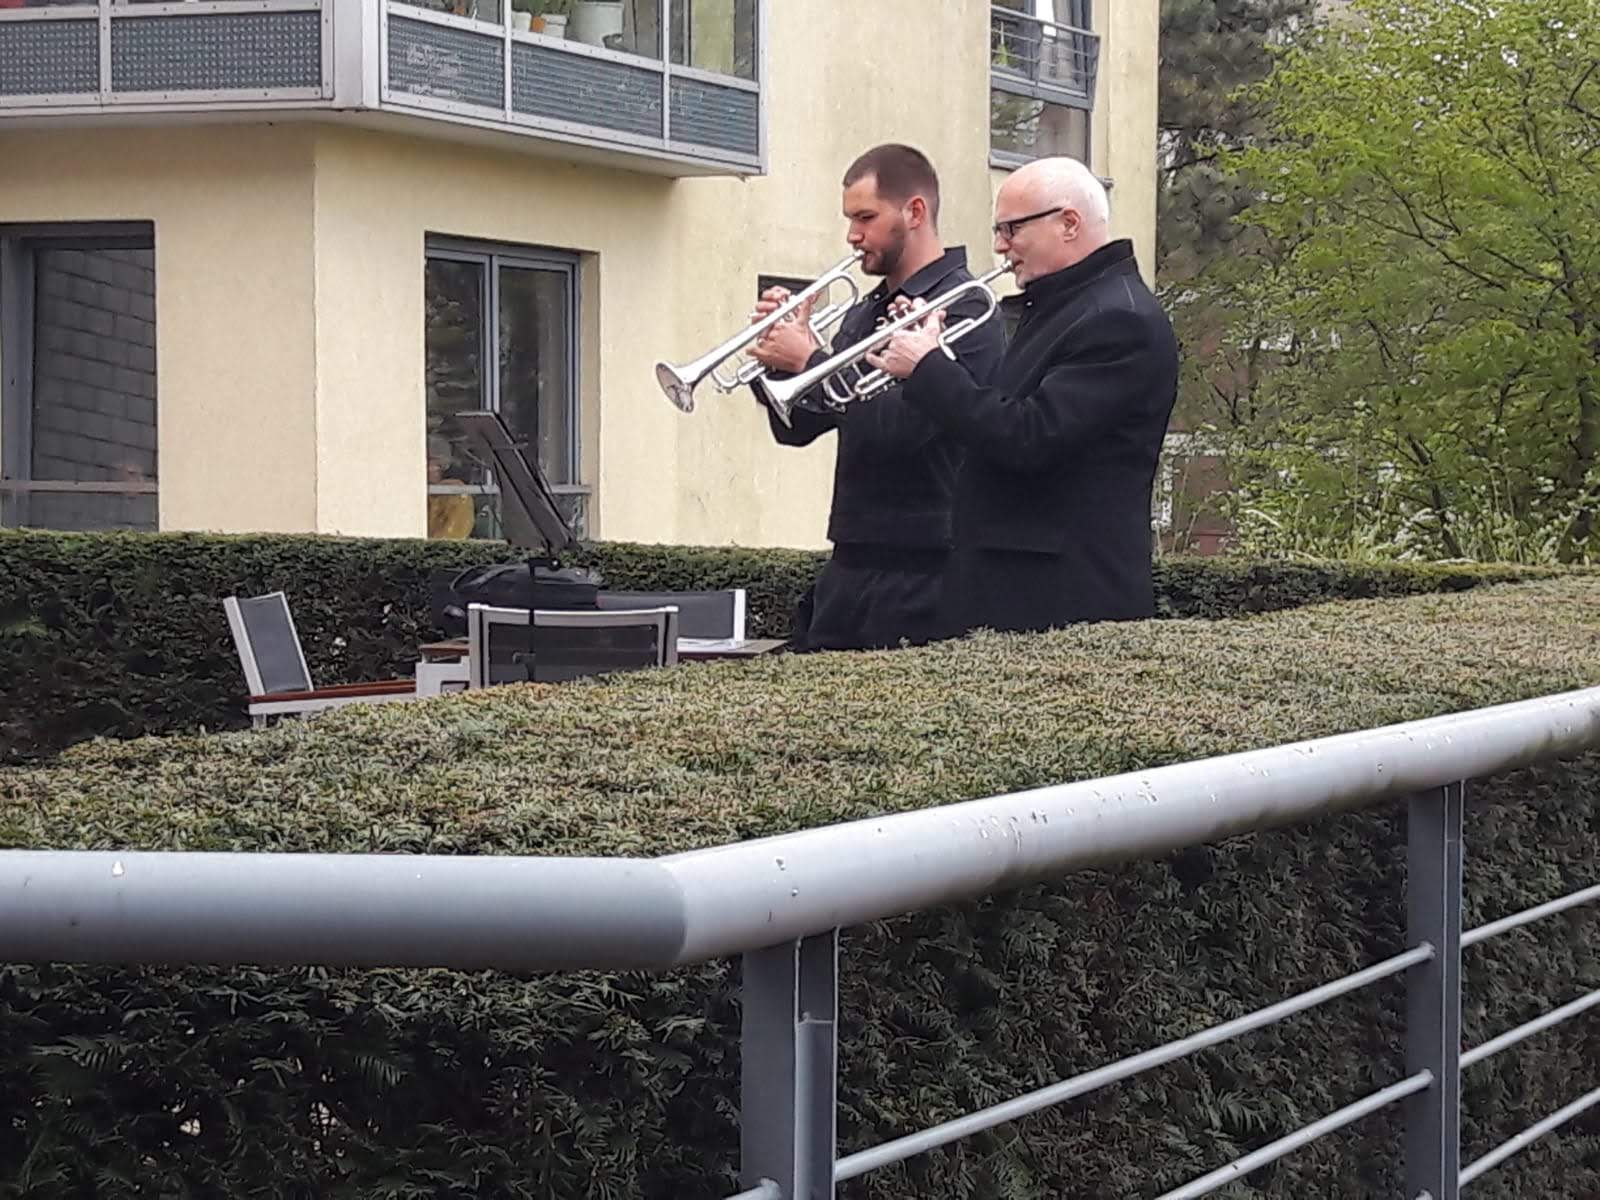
point(1073, 184)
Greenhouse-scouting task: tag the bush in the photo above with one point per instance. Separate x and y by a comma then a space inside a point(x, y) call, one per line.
point(340, 1083)
point(123, 634)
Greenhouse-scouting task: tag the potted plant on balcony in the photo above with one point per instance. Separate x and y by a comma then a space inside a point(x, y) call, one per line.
point(522, 14)
point(552, 18)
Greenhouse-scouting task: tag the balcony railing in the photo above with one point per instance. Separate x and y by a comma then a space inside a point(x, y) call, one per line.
point(1043, 59)
point(345, 56)
point(438, 62)
point(104, 54)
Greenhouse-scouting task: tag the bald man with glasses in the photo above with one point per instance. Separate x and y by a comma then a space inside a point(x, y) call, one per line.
point(1052, 510)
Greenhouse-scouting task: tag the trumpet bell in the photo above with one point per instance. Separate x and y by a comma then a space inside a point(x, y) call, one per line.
point(678, 389)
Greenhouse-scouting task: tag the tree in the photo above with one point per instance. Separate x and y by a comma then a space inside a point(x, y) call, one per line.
point(1432, 176)
point(1208, 262)
point(1210, 51)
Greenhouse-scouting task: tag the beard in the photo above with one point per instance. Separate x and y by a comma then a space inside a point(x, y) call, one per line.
point(884, 261)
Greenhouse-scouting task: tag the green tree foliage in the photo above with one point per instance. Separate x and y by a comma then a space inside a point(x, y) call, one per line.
point(1431, 178)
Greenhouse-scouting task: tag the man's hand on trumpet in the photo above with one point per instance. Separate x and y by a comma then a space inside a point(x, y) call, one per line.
point(900, 356)
point(788, 345)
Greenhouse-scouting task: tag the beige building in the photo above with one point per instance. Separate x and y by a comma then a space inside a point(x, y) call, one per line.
point(255, 253)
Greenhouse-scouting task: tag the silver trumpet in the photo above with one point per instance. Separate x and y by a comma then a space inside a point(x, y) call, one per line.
point(679, 381)
point(838, 391)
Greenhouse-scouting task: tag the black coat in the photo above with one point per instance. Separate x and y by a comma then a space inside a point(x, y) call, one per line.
point(1061, 451)
point(895, 476)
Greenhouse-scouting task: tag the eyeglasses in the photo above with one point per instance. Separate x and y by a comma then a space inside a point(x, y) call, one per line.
point(1008, 229)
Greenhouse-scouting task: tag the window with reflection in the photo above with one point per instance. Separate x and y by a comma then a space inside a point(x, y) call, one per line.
point(715, 35)
point(1022, 127)
point(499, 334)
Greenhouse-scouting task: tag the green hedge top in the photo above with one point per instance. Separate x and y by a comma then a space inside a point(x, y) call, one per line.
point(358, 1084)
point(123, 634)
point(710, 752)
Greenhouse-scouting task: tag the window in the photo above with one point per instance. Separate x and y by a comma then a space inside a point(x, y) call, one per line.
point(715, 35)
point(500, 333)
point(1023, 128)
point(708, 35)
point(1044, 61)
point(78, 377)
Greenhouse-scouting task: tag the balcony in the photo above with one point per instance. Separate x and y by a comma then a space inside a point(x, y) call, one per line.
point(605, 89)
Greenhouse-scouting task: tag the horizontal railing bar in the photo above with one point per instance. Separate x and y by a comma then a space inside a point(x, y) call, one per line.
point(1528, 1136)
point(1528, 915)
point(902, 1148)
point(1273, 1151)
point(619, 913)
point(1538, 1025)
point(765, 1190)
point(1000, 19)
point(14, 487)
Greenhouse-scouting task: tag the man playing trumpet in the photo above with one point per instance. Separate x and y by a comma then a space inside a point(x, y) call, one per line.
point(896, 468)
point(1053, 506)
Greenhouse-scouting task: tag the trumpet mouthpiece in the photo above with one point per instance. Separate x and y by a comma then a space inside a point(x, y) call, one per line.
point(677, 389)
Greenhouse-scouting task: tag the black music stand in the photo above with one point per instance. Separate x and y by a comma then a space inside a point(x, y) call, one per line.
point(528, 509)
point(527, 505)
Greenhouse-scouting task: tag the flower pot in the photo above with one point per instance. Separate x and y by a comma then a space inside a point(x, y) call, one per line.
point(555, 25)
point(521, 21)
point(595, 20)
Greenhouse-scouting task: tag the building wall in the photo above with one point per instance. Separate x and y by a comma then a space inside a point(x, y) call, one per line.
point(1125, 120)
point(233, 306)
point(290, 258)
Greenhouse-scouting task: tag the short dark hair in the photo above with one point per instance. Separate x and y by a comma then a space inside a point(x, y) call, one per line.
point(901, 173)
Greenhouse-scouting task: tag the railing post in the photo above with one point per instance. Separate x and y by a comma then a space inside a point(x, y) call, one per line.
point(1433, 994)
point(788, 1077)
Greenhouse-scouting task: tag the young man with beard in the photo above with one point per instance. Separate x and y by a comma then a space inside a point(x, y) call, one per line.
point(896, 469)
point(1053, 509)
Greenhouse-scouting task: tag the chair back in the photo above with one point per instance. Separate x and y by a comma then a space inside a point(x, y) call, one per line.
point(717, 615)
point(565, 644)
point(268, 645)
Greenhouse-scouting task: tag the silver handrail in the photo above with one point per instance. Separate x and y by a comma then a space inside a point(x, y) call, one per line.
point(622, 913)
point(780, 902)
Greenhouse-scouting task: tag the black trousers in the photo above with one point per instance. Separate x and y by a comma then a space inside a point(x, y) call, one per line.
point(875, 598)
point(1011, 591)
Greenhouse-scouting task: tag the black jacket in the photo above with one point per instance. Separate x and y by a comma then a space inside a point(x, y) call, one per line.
point(895, 475)
point(1061, 452)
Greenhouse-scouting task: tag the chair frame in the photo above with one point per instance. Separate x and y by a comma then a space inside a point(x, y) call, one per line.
point(262, 705)
point(736, 634)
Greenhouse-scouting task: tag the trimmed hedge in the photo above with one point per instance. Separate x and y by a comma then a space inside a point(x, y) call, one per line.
point(297, 1083)
point(123, 634)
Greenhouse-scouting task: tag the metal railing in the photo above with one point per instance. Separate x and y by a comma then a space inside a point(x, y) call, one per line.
point(1042, 58)
point(781, 901)
point(106, 54)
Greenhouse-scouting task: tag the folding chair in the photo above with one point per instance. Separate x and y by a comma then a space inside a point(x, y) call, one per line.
point(569, 645)
point(275, 666)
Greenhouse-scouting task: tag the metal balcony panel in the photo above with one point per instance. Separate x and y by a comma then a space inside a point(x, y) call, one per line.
point(441, 62)
point(550, 83)
point(49, 58)
point(217, 52)
point(711, 114)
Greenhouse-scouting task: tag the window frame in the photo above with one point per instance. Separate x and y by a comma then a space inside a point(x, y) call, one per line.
point(19, 247)
point(1043, 92)
point(492, 257)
